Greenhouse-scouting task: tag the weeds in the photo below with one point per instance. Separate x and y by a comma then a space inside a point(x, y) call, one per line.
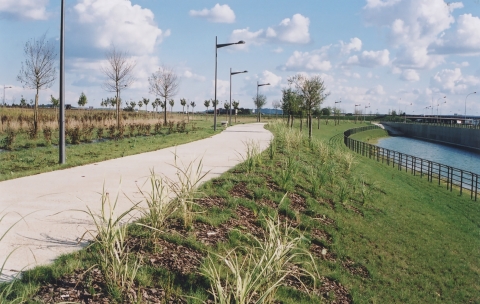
point(47, 135)
point(9, 141)
point(252, 157)
point(288, 173)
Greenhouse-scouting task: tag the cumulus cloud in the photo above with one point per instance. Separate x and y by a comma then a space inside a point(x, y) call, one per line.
point(410, 75)
point(370, 59)
point(355, 44)
point(412, 26)
point(190, 75)
point(316, 60)
point(271, 78)
point(294, 30)
point(103, 23)
point(377, 90)
point(465, 39)
point(454, 82)
point(278, 50)
point(24, 9)
point(218, 13)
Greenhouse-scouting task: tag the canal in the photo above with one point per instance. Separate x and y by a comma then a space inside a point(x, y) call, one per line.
point(444, 154)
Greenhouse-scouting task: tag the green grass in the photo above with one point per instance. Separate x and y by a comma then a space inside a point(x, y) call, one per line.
point(417, 242)
point(371, 136)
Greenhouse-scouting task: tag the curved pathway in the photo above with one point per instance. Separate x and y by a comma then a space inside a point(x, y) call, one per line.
point(49, 201)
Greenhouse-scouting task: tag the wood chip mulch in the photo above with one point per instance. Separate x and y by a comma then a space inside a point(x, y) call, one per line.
point(174, 257)
point(328, 202)
point(340, 293)
point(355, 268)
point(211, 201)
point(211, 235)
point(247, 220)
point(297, 202)
point(267, 203)
point(240, 191)
point(354, 209)
point(325, 220)
point(321, 235)
point(323, 252)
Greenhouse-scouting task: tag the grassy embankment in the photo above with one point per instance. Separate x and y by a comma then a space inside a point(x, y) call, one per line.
point(383, 235)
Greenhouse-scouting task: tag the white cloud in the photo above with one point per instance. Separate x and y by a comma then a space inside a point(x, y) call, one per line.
point(104, 23)
point(410, 75)
point(24, 9)
point(223, 90)
point(413, 25)
point(464, 40)
point(294, 30)
point(462, 64)
point(190, 75)
point(354, 45)
point(370, 58)
point(316, 60)
point(269, 77)
point(454, 82)
point(377, 90)
point(278, 50)
point(218, 13)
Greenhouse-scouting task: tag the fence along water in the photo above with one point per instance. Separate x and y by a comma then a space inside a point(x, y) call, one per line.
point(435, 172)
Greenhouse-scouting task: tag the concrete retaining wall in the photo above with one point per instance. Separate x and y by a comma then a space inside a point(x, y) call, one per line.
point(464, 138)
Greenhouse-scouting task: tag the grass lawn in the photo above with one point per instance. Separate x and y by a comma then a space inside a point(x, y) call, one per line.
point(363, 233)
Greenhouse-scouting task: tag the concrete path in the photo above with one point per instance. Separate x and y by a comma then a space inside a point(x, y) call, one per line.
point(48, 201)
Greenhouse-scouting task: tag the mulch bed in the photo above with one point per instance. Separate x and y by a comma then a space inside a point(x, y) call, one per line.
point(174, 257)
point(323, 252)
point(325, 220)
point(240, 191)
point(211, 235)
point(354, 209)
point(355, 269)
point(321, 235)
point(297, 202)
point(211, 201)
point(340, 293)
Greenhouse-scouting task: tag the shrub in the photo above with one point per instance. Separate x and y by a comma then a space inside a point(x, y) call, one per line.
point(158, 128)
point(100, 132)
point(74, 134)
point(47, 135)
point(32, 132)
point(9, 141)
point(111, 131)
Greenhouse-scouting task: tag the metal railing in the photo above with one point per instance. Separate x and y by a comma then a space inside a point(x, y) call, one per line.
point(462, 180)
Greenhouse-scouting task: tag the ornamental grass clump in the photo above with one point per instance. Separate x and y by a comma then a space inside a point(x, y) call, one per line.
point(159, 205)
point(109, 237)
point(47, 135)
point(185, 187)
point(252, 157)
point(253, 273)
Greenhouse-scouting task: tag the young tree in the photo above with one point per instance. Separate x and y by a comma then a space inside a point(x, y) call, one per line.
point(164, 83)
point(171, 102)
point(119, 73)
point(193, 104)
point(206, 103)
point(146, 101)
point(82, 101)
point(235, 105)
point(276, 105)
point(133, 104)
point(183, 102)
point(259, 101)
point(23, 102)
point(290, 104)
point(140, 104)
point(226, 105)
point(38, 70)
point(312, 92)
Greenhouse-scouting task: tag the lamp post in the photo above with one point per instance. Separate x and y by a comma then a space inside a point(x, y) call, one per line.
point(338, 118)
point(405, 113)
point(366, 107)
point(217, 46)
point(5, 87)
point(61, 112)
point(466, 105)
point(232, 73)
point(259, 85)
point(438, 104)
point(355, 112)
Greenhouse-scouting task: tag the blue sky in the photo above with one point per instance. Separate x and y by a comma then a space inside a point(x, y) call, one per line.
point(389, 54)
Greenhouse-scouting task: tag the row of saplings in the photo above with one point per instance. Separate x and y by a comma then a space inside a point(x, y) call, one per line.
point(89, 133)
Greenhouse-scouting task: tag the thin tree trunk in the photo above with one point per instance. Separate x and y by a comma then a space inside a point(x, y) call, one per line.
point(291, 122)
point(118, 110)
point(301, 123)
point(35, 114)
point(165, 113)
point(309, 122)
point(288, 120)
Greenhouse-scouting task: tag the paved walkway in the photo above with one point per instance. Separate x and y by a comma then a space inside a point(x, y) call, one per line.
point(48, 201)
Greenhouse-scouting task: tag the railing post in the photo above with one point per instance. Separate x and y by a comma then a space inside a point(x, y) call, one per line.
point(461, 181)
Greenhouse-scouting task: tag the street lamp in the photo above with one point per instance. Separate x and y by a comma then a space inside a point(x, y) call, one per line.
point(259, 85)
point(466, 105)
point(5, 87)
point(338, 118)
point(355, 111)
point(365, 112)
point(405, 113)
point(232, 73)
point(61, 112)
point(217, 46)
point(438, 104)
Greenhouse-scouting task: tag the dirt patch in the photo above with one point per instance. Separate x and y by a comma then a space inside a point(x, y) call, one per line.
point(211, 201)
point(290, 222)
point(325, 220)
point(297, 202)
point(174, 257)
point(272, 186)
point(321, 235)
point(328, 202)
point(240, 191)
point(355, 268)
point(323, 252)
point(267, 203)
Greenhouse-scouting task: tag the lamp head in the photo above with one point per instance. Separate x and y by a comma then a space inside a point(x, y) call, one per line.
point(241, 42)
